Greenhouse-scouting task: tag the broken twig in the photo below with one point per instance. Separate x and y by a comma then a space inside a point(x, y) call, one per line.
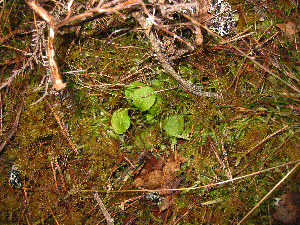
point(109, 219)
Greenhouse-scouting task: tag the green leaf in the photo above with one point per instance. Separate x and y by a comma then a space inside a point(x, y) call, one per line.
point(211, 202)
point(131, 89)
point(143, 104)
point(174, 125)
point(137, 93)
point(120, 121)
point(157, 107)
point(157, 83)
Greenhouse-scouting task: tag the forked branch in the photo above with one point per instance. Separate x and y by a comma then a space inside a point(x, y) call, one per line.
point(143, 17)
point(55, 24)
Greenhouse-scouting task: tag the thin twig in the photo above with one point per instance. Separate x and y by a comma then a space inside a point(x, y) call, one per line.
point(195, 188)
point(1, 119)
point(53, 215)
point(156, 92)
point(64, 131)
point(14, 127)
point(267, 138)
point(243, 54)
point(165, 62)
point(109, 219)
point(24, 30)
point(270, 192)
point(54, 176)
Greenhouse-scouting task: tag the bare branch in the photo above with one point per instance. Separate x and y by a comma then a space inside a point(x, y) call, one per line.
point(57, 80)
point(35, 6)
point(106, 214)
point(55, 24)
point(166, 63)
point(115, 6)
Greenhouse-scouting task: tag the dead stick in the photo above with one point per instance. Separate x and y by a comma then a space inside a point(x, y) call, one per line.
point(14, 127)
point(165, 62)
point(57, 80)
point(109, 219)
point(35, 6)
point(64, 131)
point(55, 24)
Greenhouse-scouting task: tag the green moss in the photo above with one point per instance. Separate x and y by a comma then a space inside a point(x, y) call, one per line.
point(253, 106)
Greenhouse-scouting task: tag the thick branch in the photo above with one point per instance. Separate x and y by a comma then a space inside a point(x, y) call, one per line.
point(35, 6)
point(57, 80)
point(165, 62)
point(55, 24)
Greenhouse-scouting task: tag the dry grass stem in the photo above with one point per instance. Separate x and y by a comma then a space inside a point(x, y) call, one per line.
point(14, 127)
point(195, 188)
point(270, 192)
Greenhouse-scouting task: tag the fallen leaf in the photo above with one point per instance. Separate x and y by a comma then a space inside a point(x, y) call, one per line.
point(288, 209)
point(160, 174)
point(289, 28)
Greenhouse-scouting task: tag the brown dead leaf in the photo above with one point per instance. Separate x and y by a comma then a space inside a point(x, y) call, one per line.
point(157, 173)
point(166, 202)
point(152, 164)
point(160, 174)
point(152, 180)
point(289, 28)
point(288, 209)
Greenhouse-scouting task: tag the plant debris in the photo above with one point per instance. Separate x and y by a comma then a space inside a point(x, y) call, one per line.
point(288, 209)
point(160, 174)
point(174, 112)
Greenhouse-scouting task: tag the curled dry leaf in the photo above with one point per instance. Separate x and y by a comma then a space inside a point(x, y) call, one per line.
point(160, 174)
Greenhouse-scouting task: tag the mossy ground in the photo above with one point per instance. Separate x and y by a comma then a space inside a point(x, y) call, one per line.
point(243, 124)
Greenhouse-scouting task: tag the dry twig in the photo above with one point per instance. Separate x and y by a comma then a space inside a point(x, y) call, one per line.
point(108, 8)
point(295, 88)
point(109, 219)
point(166, 63)
point(63, 129)
point(270, 192)
point(196, 188)
point(55, 24)
point(14, 127)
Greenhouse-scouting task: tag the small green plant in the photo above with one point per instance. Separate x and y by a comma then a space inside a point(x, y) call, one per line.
point(174, 126)
point(120, 121)
point(141, 97)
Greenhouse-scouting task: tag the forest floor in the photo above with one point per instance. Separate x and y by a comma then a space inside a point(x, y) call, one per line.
point(125, 136)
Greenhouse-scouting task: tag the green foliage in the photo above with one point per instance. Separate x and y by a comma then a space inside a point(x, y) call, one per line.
point(141, 96)
point(157, 107)
point(174, 126)
point(140, 101)
point(120, 121)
